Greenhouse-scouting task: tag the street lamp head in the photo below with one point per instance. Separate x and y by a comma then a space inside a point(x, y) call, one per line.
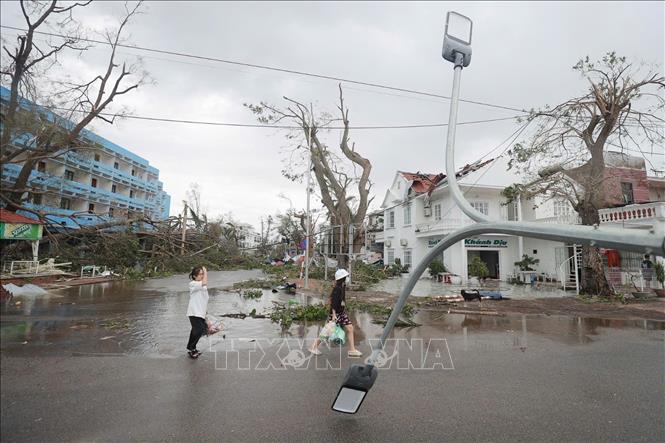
point(457, 39)
point(358, 381)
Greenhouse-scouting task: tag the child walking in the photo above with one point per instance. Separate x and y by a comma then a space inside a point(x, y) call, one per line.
point(197, 308)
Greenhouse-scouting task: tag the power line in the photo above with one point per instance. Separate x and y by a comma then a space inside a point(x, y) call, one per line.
point(258, 125)
point(272, 68)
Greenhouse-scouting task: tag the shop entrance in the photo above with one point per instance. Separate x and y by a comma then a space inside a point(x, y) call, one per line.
point(490, 258)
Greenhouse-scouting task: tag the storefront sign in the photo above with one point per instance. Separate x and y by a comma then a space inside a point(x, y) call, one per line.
point(485, 243)
point(432, 243)
point(20, 231)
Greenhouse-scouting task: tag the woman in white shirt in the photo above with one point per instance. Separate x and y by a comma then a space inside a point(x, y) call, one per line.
point(198, 306)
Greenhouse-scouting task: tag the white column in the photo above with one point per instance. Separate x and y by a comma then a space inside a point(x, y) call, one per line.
point(35, 250)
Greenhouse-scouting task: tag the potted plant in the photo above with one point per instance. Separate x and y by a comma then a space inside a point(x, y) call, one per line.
point(526, 264)
point(478, 268)
point(436, 268)
point(659, 270)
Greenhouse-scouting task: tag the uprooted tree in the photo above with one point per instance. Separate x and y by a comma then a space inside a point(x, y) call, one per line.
point(335, 174)
point(33, 133)
point(566, 156)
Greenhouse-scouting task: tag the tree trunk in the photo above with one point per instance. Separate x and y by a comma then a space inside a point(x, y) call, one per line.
point(21, 184)
point(594, 281)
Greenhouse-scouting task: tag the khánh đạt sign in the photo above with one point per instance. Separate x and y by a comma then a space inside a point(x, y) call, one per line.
point(485, 243)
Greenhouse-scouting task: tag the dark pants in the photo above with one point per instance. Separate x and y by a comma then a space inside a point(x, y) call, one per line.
point(199, 327)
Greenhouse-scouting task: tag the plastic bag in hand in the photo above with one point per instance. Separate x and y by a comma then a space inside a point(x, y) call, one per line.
point(327, 330)
point(214, 324)
point(338, 336)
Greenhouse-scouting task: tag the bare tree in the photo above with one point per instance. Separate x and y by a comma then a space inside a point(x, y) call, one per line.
point(335, 175)
point(30, 134)
point(621, 110)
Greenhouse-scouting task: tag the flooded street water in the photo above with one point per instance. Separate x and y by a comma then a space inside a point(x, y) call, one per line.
point(148, 318)
point(106, 362)
point(428, 287)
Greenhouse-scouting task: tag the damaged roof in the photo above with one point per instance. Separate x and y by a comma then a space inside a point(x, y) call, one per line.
point(7, 216)
point(426, 183)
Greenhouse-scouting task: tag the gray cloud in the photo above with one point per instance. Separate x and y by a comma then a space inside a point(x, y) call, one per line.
point(523, 52)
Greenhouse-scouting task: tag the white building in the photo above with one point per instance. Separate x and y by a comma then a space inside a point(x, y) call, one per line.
point(419, 211)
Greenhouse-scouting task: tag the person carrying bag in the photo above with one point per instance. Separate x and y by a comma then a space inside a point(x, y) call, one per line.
point(339, 317)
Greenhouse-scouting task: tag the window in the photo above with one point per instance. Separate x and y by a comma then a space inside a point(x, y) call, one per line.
point(437, 212)
point(512, 212)
point(561, 208)
point(133, 172)
point(97, 157)
point(93, 182)
point(131, 194)
point(41, 166)
point(390, 254)
point(111, 212)
point(91, 208)
point(407, 215)
point(113, 189)
point(37, 199)
point(407, 257)
point(391, 219)
point(116, 165)
point(65, 203)
point(69, 175)
point(482, 207)
point(627, 193)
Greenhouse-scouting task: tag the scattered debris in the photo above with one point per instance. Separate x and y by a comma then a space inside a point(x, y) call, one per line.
point(28, 289)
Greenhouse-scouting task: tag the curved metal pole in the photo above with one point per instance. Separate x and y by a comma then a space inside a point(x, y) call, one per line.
point(612, 238)
point(464, 205)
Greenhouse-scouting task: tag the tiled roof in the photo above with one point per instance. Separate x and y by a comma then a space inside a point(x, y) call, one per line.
point(12, 217)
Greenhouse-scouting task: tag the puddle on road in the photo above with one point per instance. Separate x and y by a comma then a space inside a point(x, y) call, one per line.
point(148, 318)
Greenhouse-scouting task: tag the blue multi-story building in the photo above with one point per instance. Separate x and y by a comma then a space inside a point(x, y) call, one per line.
point(90, 186)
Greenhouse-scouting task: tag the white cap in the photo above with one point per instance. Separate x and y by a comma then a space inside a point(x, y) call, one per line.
point(340, 274)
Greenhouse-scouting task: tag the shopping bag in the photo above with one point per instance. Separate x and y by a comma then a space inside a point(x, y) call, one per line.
point(327, 330)
point(338, 336)
point(214, 324)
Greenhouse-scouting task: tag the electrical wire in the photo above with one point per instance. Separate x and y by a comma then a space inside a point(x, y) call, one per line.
point(276, 69)
point(258, 125)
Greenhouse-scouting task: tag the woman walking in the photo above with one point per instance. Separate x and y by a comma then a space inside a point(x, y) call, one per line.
point(197, 308)
point(338, 314)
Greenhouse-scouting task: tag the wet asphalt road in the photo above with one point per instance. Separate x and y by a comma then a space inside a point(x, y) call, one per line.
point(508, 379)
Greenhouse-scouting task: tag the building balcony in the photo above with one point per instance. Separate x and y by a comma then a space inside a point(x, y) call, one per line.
point(75, 189)
point(645, 214)
point(441, 227)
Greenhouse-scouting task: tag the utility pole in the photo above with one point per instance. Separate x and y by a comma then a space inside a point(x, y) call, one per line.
point(184, 228)
point(309, 218)
point(351, 230)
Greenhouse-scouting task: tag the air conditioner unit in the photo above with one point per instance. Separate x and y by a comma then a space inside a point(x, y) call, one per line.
point(428, 211)
point(403, 242)
point(388, 244)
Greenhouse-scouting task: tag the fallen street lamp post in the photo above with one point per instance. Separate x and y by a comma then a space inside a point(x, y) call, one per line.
point(456, 48)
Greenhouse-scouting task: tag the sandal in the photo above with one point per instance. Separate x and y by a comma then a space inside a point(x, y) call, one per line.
point(355, 353)
point(315, 351)
point(193, 354)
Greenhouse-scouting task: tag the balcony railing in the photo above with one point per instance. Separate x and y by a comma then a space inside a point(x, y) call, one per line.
point(568, 219)
point(646, 212)
point(77, 189)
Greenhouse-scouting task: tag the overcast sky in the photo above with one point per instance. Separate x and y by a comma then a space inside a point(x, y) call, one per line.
point(522, 57)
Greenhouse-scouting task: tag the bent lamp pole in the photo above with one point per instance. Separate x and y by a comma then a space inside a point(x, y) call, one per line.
point(611, 238)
